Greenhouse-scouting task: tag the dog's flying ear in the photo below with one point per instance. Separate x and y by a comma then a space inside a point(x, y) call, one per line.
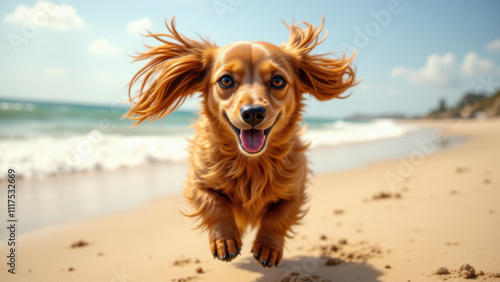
point(323, 77)
point(177, 70)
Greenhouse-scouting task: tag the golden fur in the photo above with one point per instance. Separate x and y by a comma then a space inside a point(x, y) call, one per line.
point(228, 187)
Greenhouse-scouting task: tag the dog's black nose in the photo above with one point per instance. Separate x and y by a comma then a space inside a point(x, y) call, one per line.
point(253, 114)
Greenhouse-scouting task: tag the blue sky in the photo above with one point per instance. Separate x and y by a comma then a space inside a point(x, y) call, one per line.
point(411, 53)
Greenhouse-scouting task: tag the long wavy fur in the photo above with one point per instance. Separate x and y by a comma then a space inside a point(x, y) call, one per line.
point(225, 187)
point(176, 70)
point(323, 77)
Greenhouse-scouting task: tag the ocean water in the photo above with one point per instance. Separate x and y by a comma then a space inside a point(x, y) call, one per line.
point(46, 139)
point(78, 161)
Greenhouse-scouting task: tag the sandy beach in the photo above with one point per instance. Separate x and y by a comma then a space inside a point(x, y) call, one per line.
point(396, 220)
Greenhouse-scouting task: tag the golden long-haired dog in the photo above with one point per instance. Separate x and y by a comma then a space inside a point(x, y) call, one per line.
point(248, 164)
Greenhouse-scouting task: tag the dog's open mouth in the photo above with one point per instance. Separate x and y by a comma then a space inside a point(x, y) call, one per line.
point(252, 140)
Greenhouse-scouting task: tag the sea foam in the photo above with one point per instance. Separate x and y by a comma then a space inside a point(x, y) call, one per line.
point(39, 156)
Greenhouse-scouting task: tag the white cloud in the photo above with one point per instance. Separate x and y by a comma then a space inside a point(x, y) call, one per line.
point(54, 72)
point(493, 45)
point(438, 70)
point(139, 26)
point(102, 46)
point(46, 15)
point(472, 64)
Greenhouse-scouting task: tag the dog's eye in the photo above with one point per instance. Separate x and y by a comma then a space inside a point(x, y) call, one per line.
point(278, 82)
point(226, 82)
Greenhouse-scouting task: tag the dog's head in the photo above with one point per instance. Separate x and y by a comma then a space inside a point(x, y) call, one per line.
point(253, 90)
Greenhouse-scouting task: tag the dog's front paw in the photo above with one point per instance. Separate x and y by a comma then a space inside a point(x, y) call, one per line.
point(267, 255)
point(225, 248)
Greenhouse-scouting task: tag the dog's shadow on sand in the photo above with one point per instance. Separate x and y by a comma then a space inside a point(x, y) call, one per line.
point(308, 266)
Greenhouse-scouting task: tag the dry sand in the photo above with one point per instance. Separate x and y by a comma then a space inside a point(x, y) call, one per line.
point(445, 213)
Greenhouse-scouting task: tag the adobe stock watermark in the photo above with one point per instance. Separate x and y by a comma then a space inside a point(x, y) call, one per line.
point(223, 6)
point(408, 165)
point(486, 84)
point(31, 26)
point(82, 149)
point(380, 19)
point(75, 155)
point(306, 265)
point(427, 146)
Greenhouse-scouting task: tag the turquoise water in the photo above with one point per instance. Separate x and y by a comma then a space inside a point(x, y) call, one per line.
point(25, 118)
point(20, 119)
point(44, 139)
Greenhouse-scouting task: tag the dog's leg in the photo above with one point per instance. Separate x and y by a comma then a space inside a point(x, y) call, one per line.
point(276, 223)
point(214, 210)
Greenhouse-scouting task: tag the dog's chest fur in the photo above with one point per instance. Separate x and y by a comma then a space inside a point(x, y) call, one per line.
point(251, 184)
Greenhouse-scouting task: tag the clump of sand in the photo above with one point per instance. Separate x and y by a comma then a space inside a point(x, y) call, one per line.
point(462, 169)
point(441, 271)
point(386, 195)
point(333, 261)
point(186, 279)
point(296, 277)
point(79, 244)
point(185, 261)
point(336, 252)
point(338, 212)
point(466, 271)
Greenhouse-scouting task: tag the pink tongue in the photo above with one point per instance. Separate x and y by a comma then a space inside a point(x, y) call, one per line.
point(252, 139)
